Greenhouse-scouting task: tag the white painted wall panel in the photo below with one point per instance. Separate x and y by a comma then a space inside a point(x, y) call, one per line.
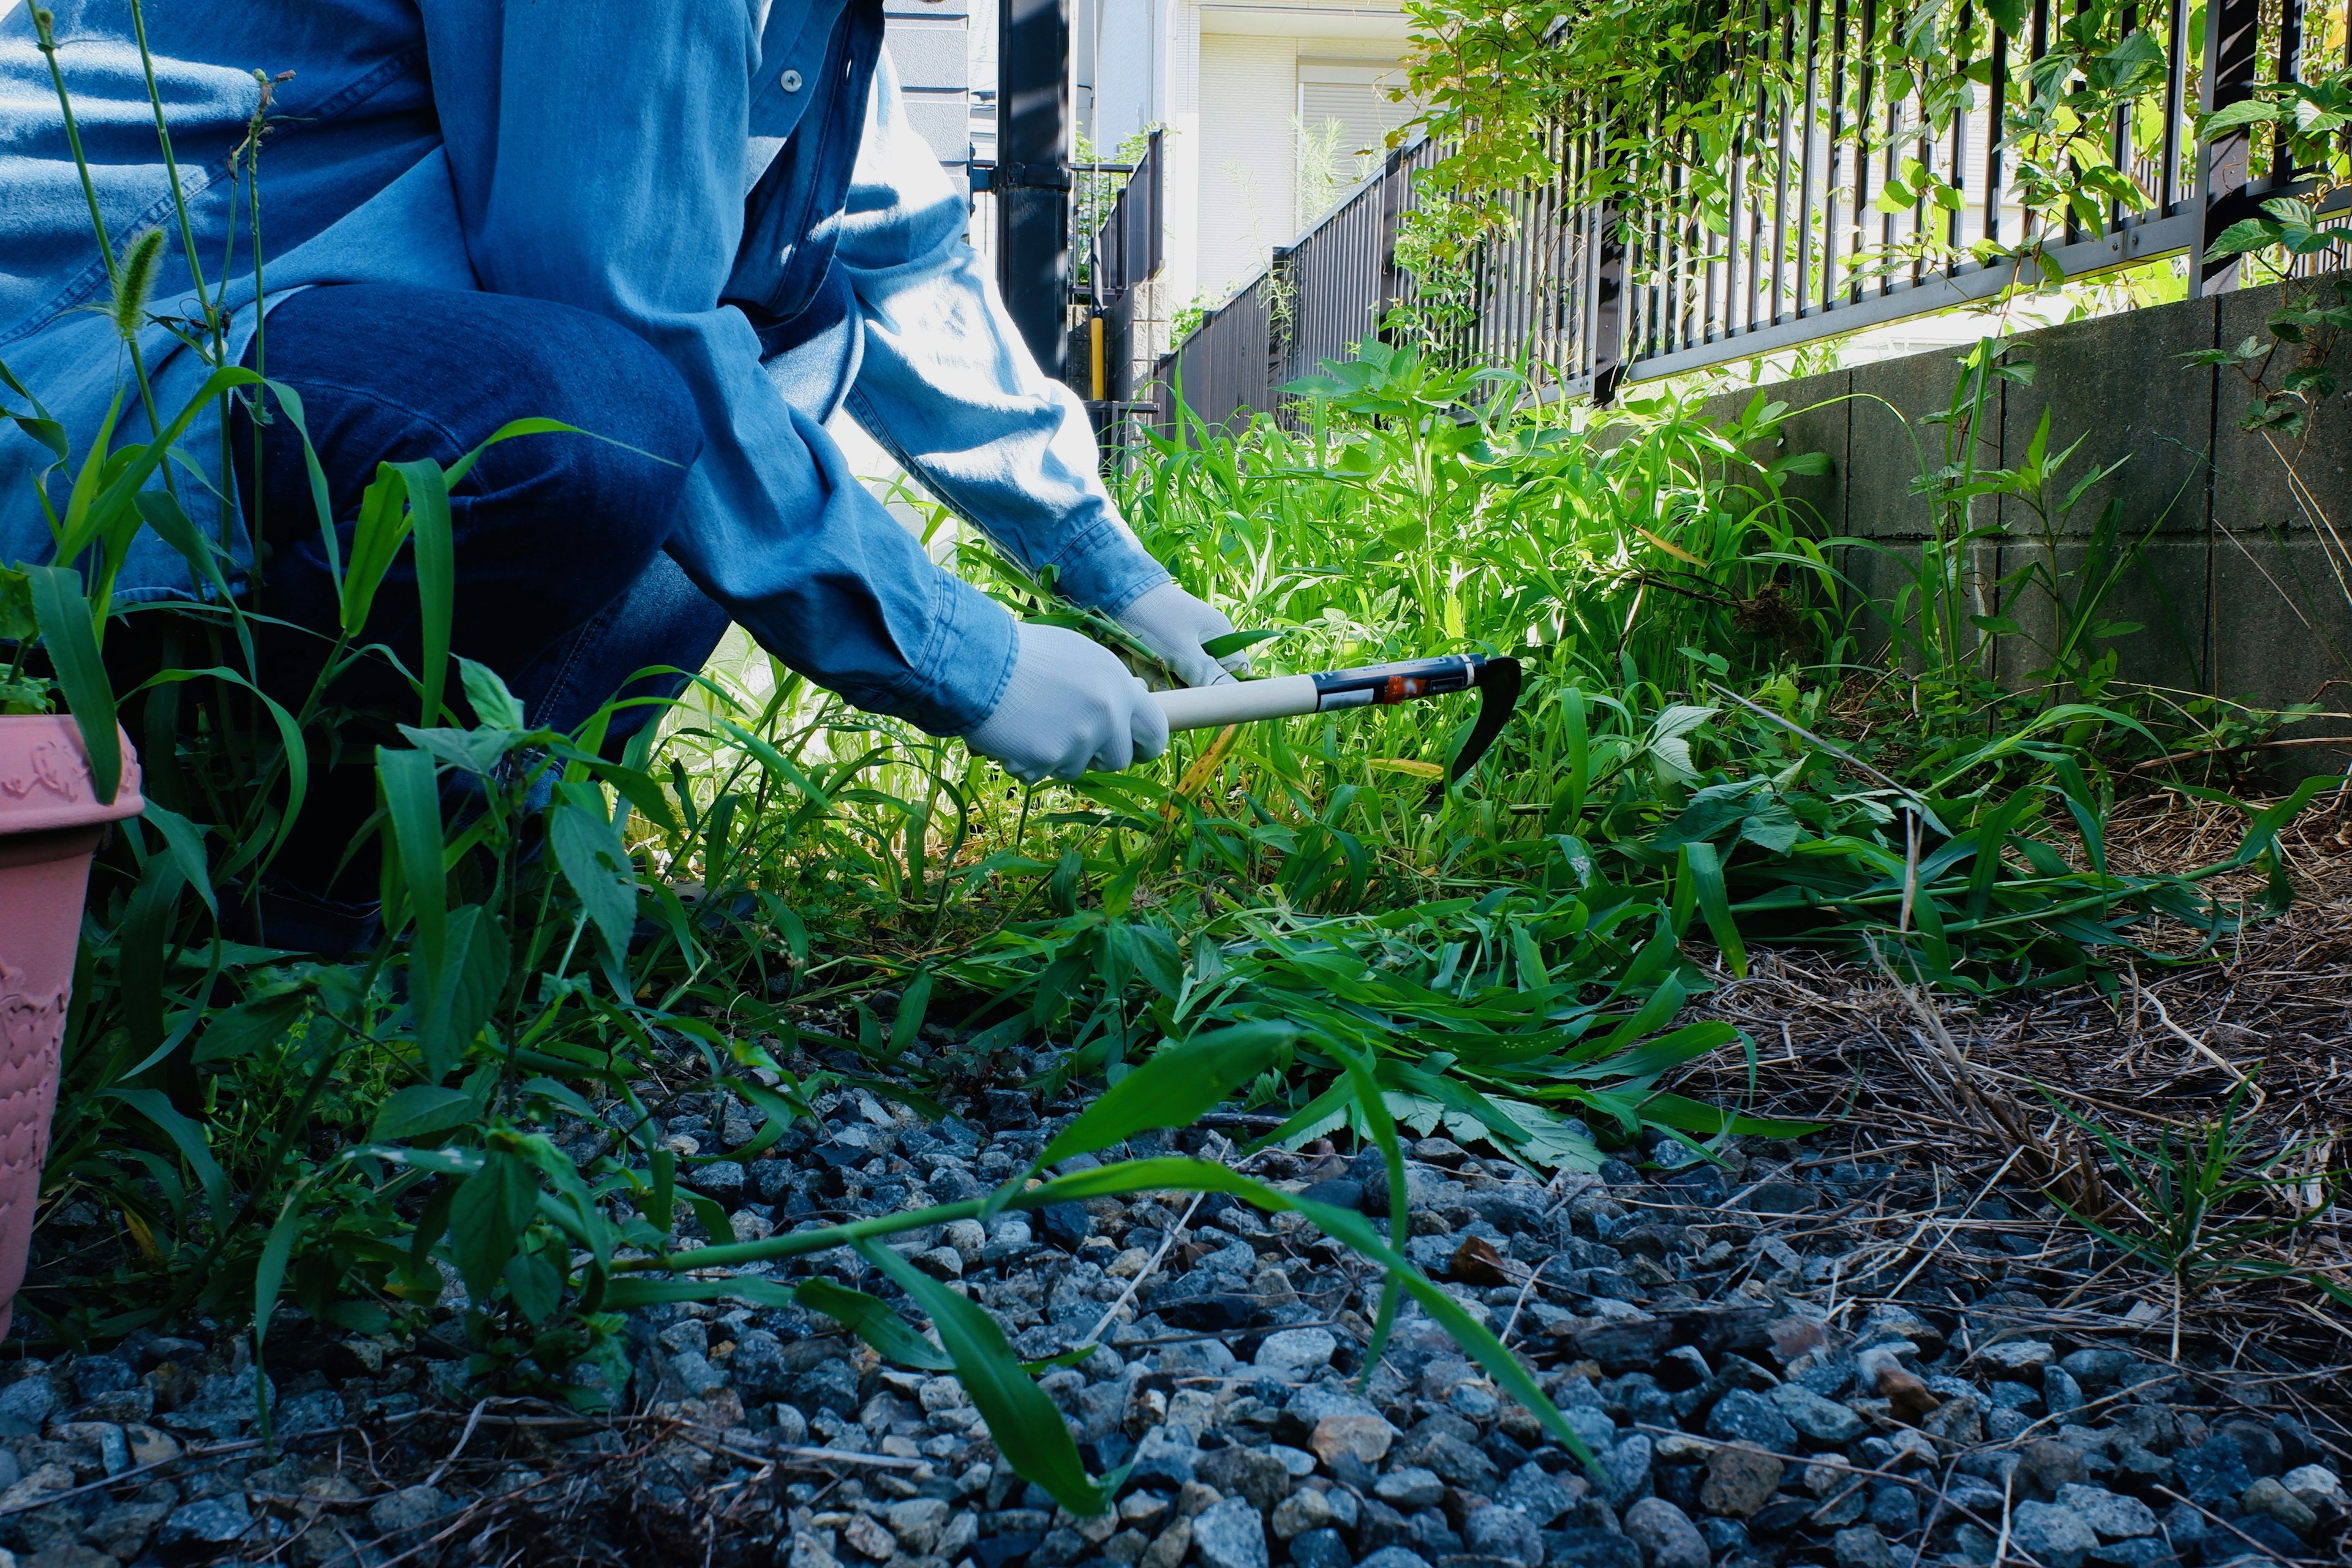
point(1249, 89)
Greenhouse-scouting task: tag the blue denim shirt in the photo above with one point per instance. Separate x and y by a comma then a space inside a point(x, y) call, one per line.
point(596, 152)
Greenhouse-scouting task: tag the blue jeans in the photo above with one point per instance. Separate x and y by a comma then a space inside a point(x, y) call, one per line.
point(563, 583)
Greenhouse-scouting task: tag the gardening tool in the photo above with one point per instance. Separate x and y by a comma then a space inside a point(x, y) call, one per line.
point(1288, 696)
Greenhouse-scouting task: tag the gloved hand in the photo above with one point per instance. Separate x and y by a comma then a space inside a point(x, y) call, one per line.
point(1070, 707)
point(1173, 624)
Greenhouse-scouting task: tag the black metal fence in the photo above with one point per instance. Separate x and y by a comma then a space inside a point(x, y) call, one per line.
point(1832, 206)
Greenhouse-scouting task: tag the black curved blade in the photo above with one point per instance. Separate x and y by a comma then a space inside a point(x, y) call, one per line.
point(1498, 695)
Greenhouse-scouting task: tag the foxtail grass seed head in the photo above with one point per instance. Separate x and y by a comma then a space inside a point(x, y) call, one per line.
point(134, 282)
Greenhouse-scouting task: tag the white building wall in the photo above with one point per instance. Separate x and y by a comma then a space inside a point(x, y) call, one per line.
point(1249, 89)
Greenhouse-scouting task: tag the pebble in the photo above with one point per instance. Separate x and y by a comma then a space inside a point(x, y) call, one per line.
point(1294, 1352)
point(1302, 1511)
point(2112, 1517)
point(1740, 1480)
point(1822, 1423)
point(2269, 1496)
point(1745, 1417)
point(1665, 1535)
point(1230, 1535)
point(2015, 1359)
point(1504, 1534)
point(1367, 1437)
point(1861, 1547)
point(1411, 1488)
point(2056, 1536)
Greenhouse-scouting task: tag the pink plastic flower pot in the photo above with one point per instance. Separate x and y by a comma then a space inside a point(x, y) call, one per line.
point(50, 821)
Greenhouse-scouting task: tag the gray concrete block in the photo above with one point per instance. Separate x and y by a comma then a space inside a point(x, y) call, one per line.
point(2281, 633)
point(2165, 593)
point(2252, 489)
point(1818, 419)
point(1884, 570)
point(2118, 384)
point(1891, 442)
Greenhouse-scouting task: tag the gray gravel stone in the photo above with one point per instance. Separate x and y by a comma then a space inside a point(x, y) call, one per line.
point(1505, 1534)
point(1582, 1546)
point(2056, 1536)
point(1394, 1557)
point(23, 1404)
point(2014, 1359)
point(1861, 1547)
point(2268, 1496)
point(720, 1179)
point(1167, 1454)
point(1301, 1511)
point(1294, 1352)
point(1532, 1490)
point(2111, 1517)
point(1459, 1463)
point(1410, 1489)
point(1665, 1535)
point(194, 1533)
point(1252, 1474)
point(1822, 1423)
point(1745, 1416)
point(1627, 1467)
point(1318, 1549)
point(1740, 1480)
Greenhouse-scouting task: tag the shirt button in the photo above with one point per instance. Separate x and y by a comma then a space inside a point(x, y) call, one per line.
point(790, 81)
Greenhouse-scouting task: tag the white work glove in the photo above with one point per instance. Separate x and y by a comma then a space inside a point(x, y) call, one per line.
point(1070, 708)
point(1173, 625)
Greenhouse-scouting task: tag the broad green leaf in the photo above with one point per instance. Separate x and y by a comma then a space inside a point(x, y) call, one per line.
point(587, 845)
point(1705, 869)
point(241, 1030)
point(186, 842)
point(421, 1110)
point(412, 819)
point(487, 1220)
point(1231, 643)
point(492, 703)
point(1174, 1088)
point(1026, 1426)
point(269, 1274)
point(71, 634)
point(461, 995)
point(188, 1138)
point(871, 1319)
point(535, 1286)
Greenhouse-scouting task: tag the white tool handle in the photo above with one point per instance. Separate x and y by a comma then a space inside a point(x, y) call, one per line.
point(1237, 703)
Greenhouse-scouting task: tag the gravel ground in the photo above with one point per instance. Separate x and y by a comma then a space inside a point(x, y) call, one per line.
point(1768, 1380)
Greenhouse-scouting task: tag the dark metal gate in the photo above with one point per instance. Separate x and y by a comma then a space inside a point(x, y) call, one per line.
point(1832, 207)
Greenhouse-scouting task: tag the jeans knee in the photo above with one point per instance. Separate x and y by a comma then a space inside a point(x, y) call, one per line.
point(398, 373)
point(620, 471)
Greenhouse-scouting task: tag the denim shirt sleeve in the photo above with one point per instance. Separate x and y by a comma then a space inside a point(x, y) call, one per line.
point(948, 388)
point(604, 167)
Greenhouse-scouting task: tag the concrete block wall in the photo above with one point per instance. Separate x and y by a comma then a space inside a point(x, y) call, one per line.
point(2236, 589)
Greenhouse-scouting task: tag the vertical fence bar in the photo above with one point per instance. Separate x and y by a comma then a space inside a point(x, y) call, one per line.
point(1865, 84)
point(2176, 102)
point(1834, 150)
point(2224, 166)
point(1996, 112)
point(1960, 166)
